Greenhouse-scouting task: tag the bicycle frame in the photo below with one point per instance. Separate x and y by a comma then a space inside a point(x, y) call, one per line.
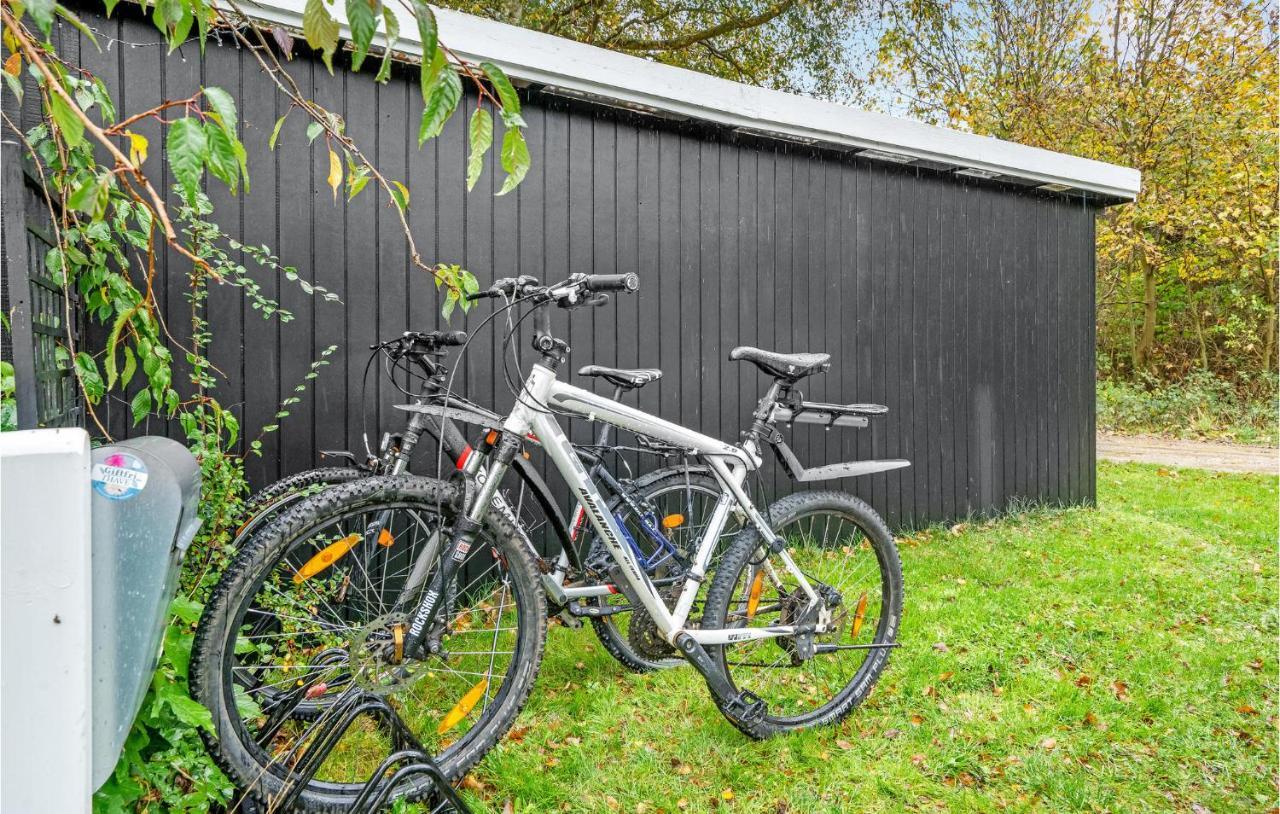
point(730, 464)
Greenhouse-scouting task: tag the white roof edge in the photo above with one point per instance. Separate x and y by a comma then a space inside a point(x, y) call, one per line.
point(597, 72)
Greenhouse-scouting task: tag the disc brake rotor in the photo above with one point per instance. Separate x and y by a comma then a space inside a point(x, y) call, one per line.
point(378, 662)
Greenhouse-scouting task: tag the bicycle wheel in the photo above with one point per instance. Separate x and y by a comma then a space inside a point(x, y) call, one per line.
point(311, 604)
point(268, 503)
point(682, 500)
point(847, 554)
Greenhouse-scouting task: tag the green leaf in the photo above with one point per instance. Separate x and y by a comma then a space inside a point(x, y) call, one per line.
point(481, 141)
point(431, 72)
point(42, 12)
point(363, 26)
point(92, 198)
point(187, 148)
point(313, 130)
point(76, 23)
point(87, 370)
point(357, 178)
point(428, 32)
point(130, 367)
point(445, 95)
point(400, 193)
point(69, 124)
point(141, 405)
point(113, 338)
point(188, 610)
point(515, 159)
point(275, 132)
point(392, 27)
point(225, 107)
point(506, 93)
point(320, 30)
point(223, 162)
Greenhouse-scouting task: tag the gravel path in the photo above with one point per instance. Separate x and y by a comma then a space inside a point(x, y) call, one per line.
point(1188, 454)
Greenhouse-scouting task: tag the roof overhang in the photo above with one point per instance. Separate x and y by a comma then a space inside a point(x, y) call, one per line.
point(597, 74)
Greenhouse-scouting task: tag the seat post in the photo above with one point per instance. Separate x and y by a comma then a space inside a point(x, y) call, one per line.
point(605, 426)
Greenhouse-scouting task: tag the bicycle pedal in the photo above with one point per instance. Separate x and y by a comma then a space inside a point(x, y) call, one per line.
point(746, 707)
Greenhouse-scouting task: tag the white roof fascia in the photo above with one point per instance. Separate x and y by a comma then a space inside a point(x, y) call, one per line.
point(593, 72)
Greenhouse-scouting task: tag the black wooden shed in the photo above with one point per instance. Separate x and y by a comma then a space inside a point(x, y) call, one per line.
point(950, 276)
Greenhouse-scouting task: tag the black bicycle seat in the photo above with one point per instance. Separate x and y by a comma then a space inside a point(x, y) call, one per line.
point(789, 366)
point(623, 377)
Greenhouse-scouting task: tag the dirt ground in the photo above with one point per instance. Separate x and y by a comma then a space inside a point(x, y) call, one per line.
point(1189, 454)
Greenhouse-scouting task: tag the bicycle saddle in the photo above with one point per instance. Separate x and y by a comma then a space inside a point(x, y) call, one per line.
point(789, 366)
point(623, 377)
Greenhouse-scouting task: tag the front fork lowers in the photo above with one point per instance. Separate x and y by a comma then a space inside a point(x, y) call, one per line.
point(462, 537)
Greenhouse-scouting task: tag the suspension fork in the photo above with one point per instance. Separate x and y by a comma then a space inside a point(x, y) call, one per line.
point(462, 537)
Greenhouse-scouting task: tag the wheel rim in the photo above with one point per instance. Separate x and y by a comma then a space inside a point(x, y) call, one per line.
point(835, 553)
point(298, 629)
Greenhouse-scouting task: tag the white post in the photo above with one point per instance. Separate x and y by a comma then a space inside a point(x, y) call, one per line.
point(45, 624)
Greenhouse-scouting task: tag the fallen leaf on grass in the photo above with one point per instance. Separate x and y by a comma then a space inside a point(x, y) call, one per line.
point(726, 795)
point(1049, 744)
point(1245, 709)
point(916, 720)
point(844, 744)
point(892, 733)
point(1084, 680)
point(517, 733)
point(508, 807)
point(1121, 690)
point(941, 647)
point(472, 783)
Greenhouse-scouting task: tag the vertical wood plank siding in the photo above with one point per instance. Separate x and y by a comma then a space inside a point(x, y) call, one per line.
point(965, 306)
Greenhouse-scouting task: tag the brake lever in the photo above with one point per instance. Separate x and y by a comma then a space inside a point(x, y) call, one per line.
point(598, 299)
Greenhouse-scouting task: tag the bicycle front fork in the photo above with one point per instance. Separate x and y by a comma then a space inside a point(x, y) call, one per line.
point(463, 535)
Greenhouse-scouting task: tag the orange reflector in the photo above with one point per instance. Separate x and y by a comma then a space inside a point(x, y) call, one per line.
point(397, 633)
point(859, 615)
point(672, 520)
point(464, 706)
point(326, 557)
point(385, 539)
point(491, 438)
point(753, 600)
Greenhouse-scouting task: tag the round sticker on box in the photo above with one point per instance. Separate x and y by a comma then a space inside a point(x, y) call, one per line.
point(120, 476)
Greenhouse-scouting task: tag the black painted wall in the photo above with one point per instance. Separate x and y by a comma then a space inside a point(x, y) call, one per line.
point(965, 306)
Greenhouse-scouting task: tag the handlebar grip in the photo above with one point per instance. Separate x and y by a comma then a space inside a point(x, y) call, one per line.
point(450, 338)
point(480, 295)
point(611, 282)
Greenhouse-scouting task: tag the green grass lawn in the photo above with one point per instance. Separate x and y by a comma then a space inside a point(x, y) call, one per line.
point(1112, 659)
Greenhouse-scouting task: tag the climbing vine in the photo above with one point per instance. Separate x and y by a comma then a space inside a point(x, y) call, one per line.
point(111, 229)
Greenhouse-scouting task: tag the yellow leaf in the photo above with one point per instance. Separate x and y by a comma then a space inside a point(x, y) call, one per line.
point(137, 149)
point(727, 794)
point(335, 173)
point(13, 65)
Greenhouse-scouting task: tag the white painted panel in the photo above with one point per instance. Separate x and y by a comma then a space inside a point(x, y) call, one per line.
point(589, 71)
point(45, 625)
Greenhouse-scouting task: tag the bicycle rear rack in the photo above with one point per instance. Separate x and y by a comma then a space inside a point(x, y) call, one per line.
point(408, 759)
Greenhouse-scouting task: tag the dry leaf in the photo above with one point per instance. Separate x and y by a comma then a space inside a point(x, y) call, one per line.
point(890, 734)
point(1049, 744)
point(1083, 680)
point(1121, 690)
point(1245, 709)
point(517, 733)
point(945, 676)
point(844, 744)
point(916, 720)
point(508, 807)
point(941, 647)
point(726, 795)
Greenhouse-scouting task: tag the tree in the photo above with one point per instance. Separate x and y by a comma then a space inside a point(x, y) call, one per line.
point(1181, 89)
point(775, 43)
